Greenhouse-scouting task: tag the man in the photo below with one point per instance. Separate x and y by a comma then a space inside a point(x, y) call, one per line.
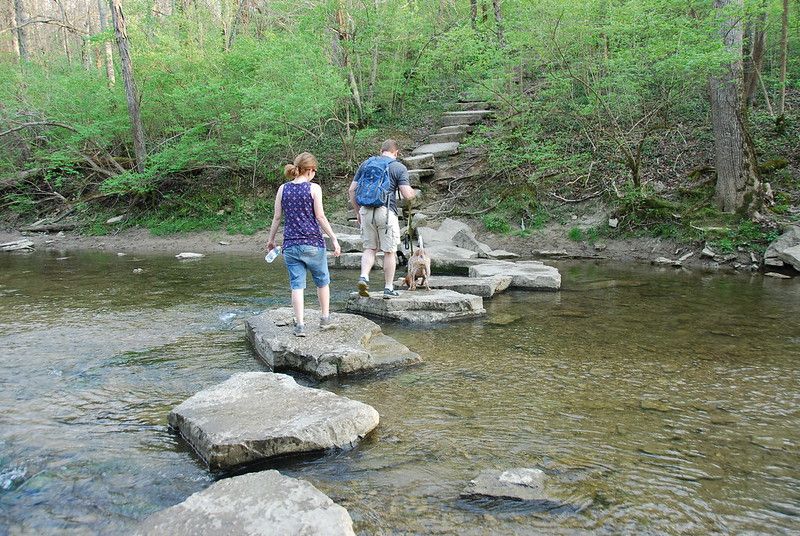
point(373, 195)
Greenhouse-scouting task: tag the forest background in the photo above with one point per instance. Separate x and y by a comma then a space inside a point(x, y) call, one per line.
point(679, 116)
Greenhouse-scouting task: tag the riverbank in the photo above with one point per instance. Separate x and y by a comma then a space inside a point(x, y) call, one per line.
point(549, 242)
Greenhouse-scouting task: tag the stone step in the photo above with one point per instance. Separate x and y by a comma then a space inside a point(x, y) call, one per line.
point(416, 176)
point(254, 503)
point(418, 161)
point(447, 137)
point(456, 128)
point(420, 306)
point(238, 422)
point(472, 105)
point(460, 118)
point(438, 150)
point(349, 347)
point(347, 242)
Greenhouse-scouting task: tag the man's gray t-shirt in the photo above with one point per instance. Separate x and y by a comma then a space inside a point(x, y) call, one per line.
point(398, 175)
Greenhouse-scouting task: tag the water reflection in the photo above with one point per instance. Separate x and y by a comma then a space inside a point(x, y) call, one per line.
point(662, 401)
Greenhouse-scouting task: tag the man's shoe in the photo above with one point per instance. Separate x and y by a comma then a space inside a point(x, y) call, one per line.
point(389, 293)
point(363, 287)
point(299, 330)
point(325, 323)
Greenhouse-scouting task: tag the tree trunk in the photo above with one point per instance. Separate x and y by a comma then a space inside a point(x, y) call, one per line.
point(754, 60)
point(498, 21)
point(86, 49)
point(784, 55)
point(738, 187)
point(373, 69)
point(473, 13)
point(236, 21)
point(130, 84)
point(22, 38)
point(64, 36)
point(342, 55)
point(103, 15)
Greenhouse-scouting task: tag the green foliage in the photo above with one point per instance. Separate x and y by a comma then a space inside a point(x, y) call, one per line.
point(747, 235)
point(495, 223)
point(575, 234)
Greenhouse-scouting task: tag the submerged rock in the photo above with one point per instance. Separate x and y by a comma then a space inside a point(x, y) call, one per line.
point(189, 255)
point(253, 504)
point(354, 345)
point(420, 306)
point(522, 484)
point(253, 416)
point(529, 275)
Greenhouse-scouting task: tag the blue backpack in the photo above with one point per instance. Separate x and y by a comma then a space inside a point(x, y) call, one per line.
point(374, 184)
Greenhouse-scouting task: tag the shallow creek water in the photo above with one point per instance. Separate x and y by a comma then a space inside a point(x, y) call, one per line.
point(657, 401)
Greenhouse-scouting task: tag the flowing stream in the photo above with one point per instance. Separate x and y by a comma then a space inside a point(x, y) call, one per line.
point(658, 401)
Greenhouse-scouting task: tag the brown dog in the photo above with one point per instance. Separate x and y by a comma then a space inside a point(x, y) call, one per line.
point(419, 267)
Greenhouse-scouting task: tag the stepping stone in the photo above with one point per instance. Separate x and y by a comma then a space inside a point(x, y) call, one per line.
point(350, 261)
point(460, 118)
point(521, 484)
point(355, 345)
point(419, 161)
point(420, 306)
point(253, 504)
point(438, 150)
point(347, 242)
point(529, 275)
point(464, 129)
point(446, 137)
point(254, 416)
point(502, 254)
point(485, 287)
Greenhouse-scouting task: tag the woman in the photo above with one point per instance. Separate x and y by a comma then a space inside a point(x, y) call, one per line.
point(303, 245)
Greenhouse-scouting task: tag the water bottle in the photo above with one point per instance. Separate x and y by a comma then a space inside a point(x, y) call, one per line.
point(273, 254)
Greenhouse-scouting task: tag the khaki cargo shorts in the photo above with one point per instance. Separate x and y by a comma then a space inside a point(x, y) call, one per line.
point(380, 228)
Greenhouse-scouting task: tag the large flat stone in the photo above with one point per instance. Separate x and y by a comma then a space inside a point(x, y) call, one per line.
point(355, 345)
point(464, 118)
point(774, 256)
point(791, 256)
point(351, 261)
point(349, 243)
point(463, 129)
point(420, 306)
point(446, 137)
point(416, 176)
point(472, 105)
point(438, 150)
point(255, 504)
point(485, 287)
point(254, 416)
point(530, 275)
point(418, 161)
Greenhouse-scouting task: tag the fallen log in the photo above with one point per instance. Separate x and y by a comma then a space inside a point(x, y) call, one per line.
point(49, 227)
point(17, 245)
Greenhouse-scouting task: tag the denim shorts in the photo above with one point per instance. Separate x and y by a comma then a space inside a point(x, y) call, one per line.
point(299, 259)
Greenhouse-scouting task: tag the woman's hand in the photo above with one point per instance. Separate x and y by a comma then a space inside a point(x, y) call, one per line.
point(270, 245)
point(337, 250)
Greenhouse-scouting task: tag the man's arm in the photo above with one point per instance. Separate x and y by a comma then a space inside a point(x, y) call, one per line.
point(351, 193)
